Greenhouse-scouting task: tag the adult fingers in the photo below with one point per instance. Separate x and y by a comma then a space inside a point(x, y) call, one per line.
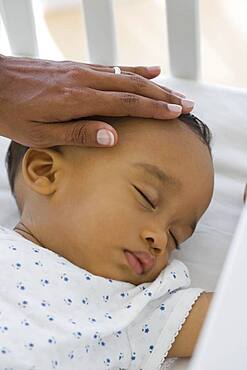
point(96, 133)
point(81, 132)
point(170, 91)
point(138, 85)
point(147, 72)
point(88, 132)
point(108, 103)
point(142, 72)
point(111, 70)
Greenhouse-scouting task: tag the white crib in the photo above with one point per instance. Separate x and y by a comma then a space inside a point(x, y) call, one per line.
point(223, 109)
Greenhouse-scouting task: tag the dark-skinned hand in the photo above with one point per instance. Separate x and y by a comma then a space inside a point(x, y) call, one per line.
point(44, 103)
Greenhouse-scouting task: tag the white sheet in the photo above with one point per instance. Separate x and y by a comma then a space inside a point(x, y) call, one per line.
point(223, 109)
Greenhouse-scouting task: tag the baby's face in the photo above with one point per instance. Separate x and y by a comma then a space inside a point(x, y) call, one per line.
point(108, 201)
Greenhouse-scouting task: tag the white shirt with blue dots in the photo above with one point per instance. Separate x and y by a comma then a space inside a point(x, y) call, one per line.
point(56, 315)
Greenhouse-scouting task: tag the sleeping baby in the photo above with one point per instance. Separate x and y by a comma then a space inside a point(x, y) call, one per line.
point(88, 280)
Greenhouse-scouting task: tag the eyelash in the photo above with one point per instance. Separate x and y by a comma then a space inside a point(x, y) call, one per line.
point(148, 200)
point(145, 197)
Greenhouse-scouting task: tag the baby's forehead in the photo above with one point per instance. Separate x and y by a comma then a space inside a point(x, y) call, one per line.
point(140, 122)
point(125, 122)
point(145, 128)
point(147, 137)
point(185, 124)
point(153, 132)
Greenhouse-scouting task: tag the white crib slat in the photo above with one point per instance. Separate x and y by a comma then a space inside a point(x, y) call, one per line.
point(183, 38)
point(18, 19)
point(222, 343)
point(100, 31)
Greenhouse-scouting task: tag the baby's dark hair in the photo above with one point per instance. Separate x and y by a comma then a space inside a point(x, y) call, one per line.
point(17, 151)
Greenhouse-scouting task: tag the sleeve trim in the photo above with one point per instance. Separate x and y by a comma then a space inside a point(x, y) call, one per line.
point(173, 326)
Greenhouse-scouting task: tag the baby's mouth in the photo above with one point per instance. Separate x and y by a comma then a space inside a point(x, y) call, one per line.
point(141, 262)
point(134, 262)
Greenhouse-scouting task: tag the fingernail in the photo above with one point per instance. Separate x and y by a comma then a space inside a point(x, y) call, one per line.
point(187, 103)
point(174, 108)
point(154, 69)
point(105, 137)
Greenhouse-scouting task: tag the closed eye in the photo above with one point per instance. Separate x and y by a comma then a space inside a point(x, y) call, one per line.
point(149, 201)
point(145, 197)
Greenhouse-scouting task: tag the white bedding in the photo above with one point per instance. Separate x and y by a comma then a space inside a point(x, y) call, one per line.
point(223, 110)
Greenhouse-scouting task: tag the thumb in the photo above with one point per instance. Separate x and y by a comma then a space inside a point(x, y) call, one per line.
point(89, 133)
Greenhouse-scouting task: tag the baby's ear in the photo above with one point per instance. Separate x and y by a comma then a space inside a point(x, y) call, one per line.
point(39, 169)
point(245, 193)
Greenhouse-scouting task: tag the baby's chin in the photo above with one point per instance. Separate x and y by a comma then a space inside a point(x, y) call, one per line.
point(145, 278)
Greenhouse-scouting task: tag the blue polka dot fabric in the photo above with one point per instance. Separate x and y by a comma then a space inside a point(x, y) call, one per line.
point(55, 315)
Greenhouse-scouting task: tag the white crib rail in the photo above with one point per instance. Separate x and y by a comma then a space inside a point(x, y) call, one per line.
point(101, 33)
point(183, 38)
point(222, 344)
point(182, 24)
point(183, 35)
point(18, 19)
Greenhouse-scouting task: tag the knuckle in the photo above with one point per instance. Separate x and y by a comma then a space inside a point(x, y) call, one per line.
point(55, 88)
point(75, 102)
point(142, 70)
point(84, 94)
point(67, 92)
point(74, 72)
point(158, 109)
point(72, 93)
point(170, 98)
point(129, 100)
point(77, 72)
point(78, 134)
point(138, 82)
point(38, 137)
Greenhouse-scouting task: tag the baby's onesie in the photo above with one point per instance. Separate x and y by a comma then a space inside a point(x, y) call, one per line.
point(56, 315)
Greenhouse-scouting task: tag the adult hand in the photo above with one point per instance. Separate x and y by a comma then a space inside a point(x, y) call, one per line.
point(43, 103)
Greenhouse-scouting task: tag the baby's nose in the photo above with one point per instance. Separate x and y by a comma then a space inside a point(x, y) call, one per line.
point(157, 241)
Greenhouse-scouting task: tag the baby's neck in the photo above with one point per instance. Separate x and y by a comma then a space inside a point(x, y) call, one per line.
point(21, 229)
